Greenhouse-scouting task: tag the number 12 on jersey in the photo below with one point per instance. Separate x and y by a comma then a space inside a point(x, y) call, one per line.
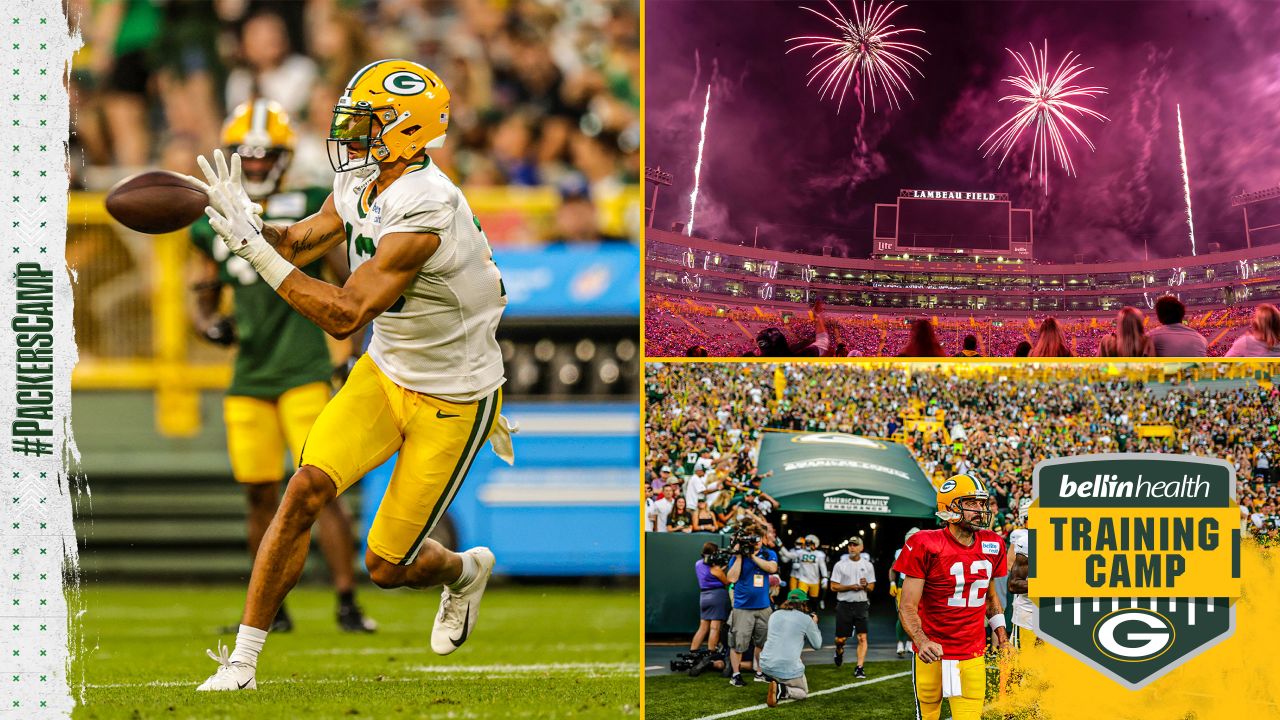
point(977, 595)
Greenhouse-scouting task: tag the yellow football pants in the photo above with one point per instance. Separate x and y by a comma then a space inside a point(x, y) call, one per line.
point(812, 589)
point(927, 679)
point(1021, 637)
point(258, 429)
point(370, 419)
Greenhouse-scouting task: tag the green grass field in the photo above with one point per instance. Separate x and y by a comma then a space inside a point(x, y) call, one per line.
point(886, 694)
point(538, 652)
point(680, 697)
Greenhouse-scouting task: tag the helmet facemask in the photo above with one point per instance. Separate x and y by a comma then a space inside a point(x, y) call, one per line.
point(360, 126)
point(262, 167)
point(963, 509)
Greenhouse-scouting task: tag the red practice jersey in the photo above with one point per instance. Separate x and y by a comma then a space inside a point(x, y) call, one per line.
point(953, 607)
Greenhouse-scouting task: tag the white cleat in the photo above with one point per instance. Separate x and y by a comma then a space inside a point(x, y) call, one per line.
point(231, 675)
point(459, 610)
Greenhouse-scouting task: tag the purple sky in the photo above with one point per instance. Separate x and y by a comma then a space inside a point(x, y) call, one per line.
point(780, 158)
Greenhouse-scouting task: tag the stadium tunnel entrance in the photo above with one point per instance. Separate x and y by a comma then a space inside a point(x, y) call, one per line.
point(881, 537)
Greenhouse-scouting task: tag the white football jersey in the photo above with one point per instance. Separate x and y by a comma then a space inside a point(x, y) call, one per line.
point(438, 338)
point(1023, 608)
point(810, 565)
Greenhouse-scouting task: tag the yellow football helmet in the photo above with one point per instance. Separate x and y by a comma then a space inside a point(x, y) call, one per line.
point(951, 506)
point(391, 110)
point(259, 131)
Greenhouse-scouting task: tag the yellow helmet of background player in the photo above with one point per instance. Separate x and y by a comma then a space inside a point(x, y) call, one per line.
point(953, 492)
point(391, 110)
point(259, 131)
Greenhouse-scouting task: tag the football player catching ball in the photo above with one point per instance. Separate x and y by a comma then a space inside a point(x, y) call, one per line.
point(430, 386)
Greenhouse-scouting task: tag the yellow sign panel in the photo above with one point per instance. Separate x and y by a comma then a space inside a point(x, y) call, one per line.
point(1134, 552)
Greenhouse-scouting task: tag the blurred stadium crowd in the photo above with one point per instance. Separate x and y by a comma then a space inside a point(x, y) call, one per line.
point(679, 328)
point(999, 420)
point(543, 93)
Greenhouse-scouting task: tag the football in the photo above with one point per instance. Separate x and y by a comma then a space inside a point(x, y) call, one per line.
point(156, 201)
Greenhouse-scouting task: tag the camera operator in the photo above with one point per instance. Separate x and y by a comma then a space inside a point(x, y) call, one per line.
point(749, 570)
point(713, 598)
point(789, 628)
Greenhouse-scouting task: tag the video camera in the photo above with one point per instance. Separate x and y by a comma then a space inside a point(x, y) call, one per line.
point(697, 660)
point(744, 543)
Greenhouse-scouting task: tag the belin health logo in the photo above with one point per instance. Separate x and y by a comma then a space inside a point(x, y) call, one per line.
point(1122, 548)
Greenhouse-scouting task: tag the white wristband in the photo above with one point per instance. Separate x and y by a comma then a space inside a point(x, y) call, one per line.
point(272, 267)
point(996, 621)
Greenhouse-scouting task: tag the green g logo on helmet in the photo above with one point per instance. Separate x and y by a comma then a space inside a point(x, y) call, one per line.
point(404, 82)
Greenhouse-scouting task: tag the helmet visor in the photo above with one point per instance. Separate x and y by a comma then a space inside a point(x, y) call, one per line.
point(352, 135)
point(353, 124)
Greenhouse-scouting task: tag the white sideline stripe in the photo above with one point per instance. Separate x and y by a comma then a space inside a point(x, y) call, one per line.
point(575, 647)
point(600, 668)
point(647, 668)
point(828, 691)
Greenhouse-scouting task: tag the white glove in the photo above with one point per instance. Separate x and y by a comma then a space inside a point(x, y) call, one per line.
point(234, 216)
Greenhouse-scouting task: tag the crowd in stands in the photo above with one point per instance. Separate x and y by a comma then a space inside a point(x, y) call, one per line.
point(544, 94)
point(678, 328)
point(703, 423)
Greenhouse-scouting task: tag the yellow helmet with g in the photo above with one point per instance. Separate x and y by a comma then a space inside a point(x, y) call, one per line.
point(391, 110)
point(260, 133)
point(959, 498)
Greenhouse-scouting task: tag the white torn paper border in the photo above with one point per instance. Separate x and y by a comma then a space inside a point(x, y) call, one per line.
point(37, 538)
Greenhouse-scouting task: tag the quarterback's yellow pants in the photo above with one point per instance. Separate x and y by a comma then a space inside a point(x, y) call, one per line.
point(371, 418)
point(927, 679)
point(258, 429)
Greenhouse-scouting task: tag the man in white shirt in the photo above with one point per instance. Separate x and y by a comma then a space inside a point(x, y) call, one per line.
point(659, 509)
point(851, 580)
point(695, 488)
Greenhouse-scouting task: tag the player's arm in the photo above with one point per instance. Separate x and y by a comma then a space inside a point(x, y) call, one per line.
point(994, 610)
point(206, 292)
point(371, 289)
point(909, 613)
point(1018, 574)
point(309, 239)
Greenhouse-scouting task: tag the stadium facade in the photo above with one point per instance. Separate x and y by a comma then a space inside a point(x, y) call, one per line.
point(710, 271)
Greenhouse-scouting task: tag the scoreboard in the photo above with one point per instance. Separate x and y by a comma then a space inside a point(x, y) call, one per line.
point(952, 222)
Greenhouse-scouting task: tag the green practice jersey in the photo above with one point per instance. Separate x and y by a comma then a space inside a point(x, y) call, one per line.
point(279, 348)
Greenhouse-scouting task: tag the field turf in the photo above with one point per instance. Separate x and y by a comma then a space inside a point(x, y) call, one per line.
point(680, 697)
point(537, 652)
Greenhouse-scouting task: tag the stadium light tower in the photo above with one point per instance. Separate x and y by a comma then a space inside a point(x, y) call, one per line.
point(655, 176)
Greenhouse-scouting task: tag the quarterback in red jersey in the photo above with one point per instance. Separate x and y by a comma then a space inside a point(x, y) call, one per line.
point(945, 604)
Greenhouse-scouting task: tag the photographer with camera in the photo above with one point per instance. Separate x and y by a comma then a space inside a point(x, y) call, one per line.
point(749, 570)
point(789, 628)
point(713, 607)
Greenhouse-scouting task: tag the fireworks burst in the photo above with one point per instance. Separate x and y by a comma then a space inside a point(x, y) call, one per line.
point(864, 55)
point(1045, 98)
point(697, 168)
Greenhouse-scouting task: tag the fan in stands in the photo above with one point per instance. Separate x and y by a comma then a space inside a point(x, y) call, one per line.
point(682, 326)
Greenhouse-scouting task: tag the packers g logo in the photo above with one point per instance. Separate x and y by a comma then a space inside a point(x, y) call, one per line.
point(1133, 634)
point(948, 486)
point(404, 82)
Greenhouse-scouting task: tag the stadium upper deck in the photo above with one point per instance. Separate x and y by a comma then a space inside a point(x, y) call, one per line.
point(714, 271)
